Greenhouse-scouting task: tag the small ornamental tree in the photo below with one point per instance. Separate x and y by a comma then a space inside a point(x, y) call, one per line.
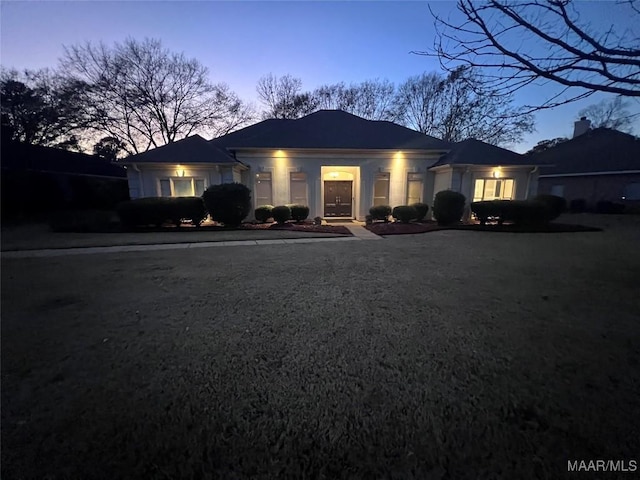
point(228, 203)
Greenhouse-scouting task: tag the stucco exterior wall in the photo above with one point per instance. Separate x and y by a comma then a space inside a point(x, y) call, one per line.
point(363, 165)
point(146, 181)
point(591, 188)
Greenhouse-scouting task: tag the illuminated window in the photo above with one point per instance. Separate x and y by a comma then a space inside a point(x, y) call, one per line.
point(381, 189)
point(494, 189)
point(298, 188)
point(414, 188)
point(181, 187)
point(264, 194)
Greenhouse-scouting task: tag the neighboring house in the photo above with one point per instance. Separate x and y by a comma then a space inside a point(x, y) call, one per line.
point(598, 164)
point(37, 179)
point(336, 163)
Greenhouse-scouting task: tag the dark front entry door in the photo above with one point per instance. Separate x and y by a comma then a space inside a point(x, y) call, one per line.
point(337, 198)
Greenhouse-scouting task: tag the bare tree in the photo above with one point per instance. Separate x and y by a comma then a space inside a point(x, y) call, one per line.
point(144, 95)
point(455, 108)
point(517, 43)
point(417, 101)
point(283, 97)
point(611, 113)
point(371, 99)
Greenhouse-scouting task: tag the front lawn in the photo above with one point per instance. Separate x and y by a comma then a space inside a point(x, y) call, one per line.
point(469, 356)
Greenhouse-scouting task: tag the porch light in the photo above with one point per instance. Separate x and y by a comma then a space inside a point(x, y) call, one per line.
point(334, 174)
point(180, 171)
point(497, 173)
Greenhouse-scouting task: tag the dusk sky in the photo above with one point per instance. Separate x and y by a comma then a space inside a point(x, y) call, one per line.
point(319, 42)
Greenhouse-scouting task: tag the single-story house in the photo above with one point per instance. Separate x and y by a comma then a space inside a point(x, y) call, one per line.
point(596, 164)
point(337, 163)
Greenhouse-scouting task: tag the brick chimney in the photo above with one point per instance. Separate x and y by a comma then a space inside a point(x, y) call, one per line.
point(581, 126)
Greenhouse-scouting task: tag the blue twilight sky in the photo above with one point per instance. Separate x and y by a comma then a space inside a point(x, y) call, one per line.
point(319, 42)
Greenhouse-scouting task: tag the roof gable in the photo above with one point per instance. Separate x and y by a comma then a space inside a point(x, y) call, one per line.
point(598, 150)
point(193, 149)
point(330, 129)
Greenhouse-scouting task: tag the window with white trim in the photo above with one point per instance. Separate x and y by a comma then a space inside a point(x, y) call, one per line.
point(263, 189)
point(181, 187)
point(381, 189)
point(415, 187)
point(298, 188)
point(494, 189)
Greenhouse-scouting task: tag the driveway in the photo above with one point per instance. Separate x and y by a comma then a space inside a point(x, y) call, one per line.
point(447, 355)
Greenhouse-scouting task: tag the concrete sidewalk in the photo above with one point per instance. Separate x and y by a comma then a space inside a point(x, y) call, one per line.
point(359, 233)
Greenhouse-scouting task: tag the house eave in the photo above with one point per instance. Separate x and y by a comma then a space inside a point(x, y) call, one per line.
point(589, 174)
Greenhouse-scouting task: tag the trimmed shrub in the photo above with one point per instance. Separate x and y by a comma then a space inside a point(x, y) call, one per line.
point(281, 213)
point(578, 205)
point(605, 206)
point(299, 212)
point(84, 221)
point(404, 213)
point(556, 205)
point(159, 210)
point(422, 209)
point(516, 211)
point(380, 212)
point(490, 209)
point(228, 203)
point(448, 207)
point(263, 213)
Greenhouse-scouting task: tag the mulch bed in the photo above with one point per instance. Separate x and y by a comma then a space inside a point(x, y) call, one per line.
point(291, 227)
point(396, 228)
point(297, 227)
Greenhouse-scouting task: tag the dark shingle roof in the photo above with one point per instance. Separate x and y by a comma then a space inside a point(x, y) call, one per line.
point(330, 129)
point(475, 152)
point(21, 156)
point(599, 150)
point(193, 149)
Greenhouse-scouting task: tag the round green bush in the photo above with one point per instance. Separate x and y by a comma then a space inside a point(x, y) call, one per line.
point(448, 207)
point(263, 213)
point(404, 213)
point(281, 213)
point(422, 209)
point(380, 212)
point(228, 203)
point(299, 212)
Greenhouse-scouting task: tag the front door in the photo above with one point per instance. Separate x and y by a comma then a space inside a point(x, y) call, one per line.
point(337, 198)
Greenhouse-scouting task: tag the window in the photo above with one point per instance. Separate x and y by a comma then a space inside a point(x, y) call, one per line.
point(414, 188)
point(264, 194)
point(381, 189)
point(298, 188)
point(181, 187)
point(631, 192)
point(557, 190)
point(492, 189)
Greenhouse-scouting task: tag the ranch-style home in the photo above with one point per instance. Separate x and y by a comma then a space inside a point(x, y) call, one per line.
point(336, 163)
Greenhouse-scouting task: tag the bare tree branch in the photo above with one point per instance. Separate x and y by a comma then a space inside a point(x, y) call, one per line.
point(502, 38)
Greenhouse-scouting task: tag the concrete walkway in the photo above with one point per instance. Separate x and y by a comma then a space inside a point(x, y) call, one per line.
point(359, 233)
